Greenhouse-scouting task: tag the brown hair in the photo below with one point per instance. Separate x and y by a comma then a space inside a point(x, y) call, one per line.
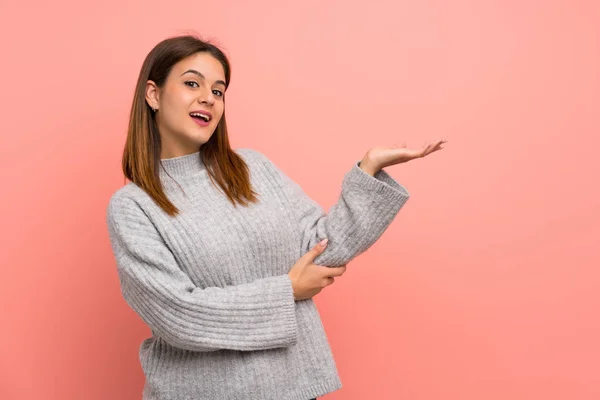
point(141, 156)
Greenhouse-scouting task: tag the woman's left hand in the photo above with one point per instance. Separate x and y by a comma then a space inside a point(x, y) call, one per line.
point(380, 157)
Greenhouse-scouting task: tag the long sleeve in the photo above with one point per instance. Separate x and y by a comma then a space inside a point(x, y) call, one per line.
point(253, 316)
point(365, 208)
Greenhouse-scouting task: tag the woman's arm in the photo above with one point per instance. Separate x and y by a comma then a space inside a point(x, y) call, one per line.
point(254, 316)
point(365, 208)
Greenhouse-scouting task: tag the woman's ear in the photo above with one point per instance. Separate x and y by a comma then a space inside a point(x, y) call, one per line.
point(152, 95)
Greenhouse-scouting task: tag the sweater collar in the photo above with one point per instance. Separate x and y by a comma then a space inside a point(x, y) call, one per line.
point(183, 165)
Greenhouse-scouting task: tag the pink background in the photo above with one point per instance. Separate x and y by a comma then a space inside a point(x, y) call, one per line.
point(486, 286)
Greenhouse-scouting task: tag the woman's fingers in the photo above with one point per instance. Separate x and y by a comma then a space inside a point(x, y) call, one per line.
point(425, 150)
point(431, 147)
point(331, 272)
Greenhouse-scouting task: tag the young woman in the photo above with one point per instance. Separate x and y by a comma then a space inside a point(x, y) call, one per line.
point(219, 252)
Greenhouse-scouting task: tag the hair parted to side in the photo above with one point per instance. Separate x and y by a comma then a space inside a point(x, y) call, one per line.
point(141, 156)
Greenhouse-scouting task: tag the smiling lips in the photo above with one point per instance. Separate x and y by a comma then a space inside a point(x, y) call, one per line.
point(201, 117)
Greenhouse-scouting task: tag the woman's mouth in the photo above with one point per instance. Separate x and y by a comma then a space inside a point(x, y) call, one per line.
point(202, 118)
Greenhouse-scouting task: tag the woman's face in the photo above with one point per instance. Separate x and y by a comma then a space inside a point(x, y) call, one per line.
point(190, 104)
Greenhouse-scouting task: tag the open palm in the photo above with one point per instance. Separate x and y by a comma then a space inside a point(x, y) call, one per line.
point(385, 156)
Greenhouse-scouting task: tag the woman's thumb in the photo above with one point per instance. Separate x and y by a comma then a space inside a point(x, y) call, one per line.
point(319, 248)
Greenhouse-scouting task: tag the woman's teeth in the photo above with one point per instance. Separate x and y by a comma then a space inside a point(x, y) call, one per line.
point(198, 115)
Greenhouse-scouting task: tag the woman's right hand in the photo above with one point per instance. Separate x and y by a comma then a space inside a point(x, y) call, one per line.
point(307, 278)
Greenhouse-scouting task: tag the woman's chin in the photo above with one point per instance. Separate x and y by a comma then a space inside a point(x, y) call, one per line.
point(200, 138)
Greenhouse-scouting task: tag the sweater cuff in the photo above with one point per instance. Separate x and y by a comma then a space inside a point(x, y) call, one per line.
point(284, 290)
point(381, 184)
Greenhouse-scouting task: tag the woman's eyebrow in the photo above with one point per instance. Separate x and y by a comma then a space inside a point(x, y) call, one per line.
point(193, 71)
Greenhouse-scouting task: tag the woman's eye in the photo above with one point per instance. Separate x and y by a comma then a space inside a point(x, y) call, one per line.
point(217, 93)
point(192, 82)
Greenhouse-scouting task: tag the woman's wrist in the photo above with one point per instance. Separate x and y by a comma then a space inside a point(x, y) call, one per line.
point(368, 167)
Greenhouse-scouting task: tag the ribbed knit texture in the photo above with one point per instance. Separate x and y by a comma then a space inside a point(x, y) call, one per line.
point(212, 283)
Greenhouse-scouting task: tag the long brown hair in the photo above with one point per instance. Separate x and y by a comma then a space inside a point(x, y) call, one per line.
point(141, 156)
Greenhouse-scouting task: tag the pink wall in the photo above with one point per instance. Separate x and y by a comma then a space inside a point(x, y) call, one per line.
point(485, 287)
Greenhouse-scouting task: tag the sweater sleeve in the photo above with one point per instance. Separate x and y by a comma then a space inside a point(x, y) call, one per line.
point(253, 316)
point(365, 208)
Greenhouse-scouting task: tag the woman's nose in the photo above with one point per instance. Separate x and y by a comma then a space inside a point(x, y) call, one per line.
point(206, 98)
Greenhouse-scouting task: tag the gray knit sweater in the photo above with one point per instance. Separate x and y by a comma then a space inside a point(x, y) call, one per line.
point(212, 283)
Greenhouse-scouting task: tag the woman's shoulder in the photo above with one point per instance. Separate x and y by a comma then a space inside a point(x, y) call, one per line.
point(252, 155)
point(130, 196)
point(258, 161)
